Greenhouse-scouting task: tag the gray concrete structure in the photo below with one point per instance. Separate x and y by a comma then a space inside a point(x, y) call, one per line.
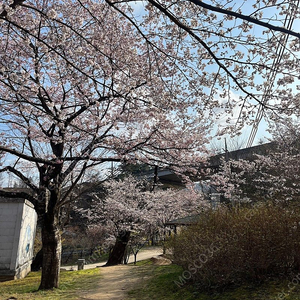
point(17, 232)
point(168, 177)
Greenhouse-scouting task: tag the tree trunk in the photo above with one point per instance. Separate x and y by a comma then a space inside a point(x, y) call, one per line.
point(37, 261)
point(117, 255)
point(51, 238)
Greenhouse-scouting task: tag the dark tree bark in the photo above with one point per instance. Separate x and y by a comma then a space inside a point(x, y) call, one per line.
point(51, 240)
point(37, 261)
point(51, 256)
point(117, 254)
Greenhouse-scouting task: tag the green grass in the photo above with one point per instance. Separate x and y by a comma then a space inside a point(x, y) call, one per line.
point(71, 284)
point(160, 286)
point(157, 282)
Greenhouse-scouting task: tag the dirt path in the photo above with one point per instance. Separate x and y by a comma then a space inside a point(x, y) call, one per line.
point(116, 281)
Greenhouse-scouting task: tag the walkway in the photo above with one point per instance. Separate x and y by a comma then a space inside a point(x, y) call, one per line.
point(116, 281)
point(142, 255)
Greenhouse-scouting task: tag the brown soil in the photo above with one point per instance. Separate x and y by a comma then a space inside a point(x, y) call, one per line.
point(115, 282)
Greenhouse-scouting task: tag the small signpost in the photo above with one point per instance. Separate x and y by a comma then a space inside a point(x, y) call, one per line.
point(81, 263)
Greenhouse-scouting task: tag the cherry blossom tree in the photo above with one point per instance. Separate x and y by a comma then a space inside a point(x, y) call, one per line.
point(240, 55)
point(80, 87)
point(132, 211)
point(86, 82)
point(248, 49)
point(271, 176)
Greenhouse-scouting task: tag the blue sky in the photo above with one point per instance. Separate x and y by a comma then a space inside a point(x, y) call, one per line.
point(246, 6)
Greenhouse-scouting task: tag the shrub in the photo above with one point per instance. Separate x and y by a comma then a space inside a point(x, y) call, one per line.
point(231, 246)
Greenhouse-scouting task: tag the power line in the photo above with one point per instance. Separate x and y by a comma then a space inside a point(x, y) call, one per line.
point(288, 23)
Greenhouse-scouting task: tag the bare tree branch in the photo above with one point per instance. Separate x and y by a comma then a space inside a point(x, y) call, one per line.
point(246, 18)
point(27, 157)
point(21, 176)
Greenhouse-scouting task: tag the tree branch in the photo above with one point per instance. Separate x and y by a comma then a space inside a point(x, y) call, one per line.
point(205, 46)
point(82, 110)
point(13, 6)
point(246, 18)
point(27, 157)
point(62, 202)
point(21, 176)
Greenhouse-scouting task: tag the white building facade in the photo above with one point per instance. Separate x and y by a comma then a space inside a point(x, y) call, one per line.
point(17, 233)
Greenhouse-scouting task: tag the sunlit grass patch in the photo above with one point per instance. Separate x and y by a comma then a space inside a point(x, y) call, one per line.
point(161, 286)
point(71, 283)
point(142, 263)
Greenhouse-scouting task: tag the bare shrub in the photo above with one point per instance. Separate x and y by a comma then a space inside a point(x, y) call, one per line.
point(231, 246)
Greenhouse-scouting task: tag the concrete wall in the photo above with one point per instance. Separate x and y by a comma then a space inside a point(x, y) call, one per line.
point(17, 231)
